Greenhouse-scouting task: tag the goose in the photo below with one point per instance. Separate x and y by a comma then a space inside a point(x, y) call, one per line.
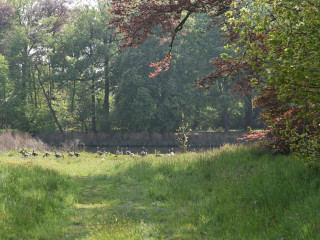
point(118, 152)
point(99, 152)
point(171, 153)
point(127, 151)
point(34, 153)
point(143, 152)
point(76, 154)
point(57, 155)
point(25, 154)
point(70, 154)
point(46, 155)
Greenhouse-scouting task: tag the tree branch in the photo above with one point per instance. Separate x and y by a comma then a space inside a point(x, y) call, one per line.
point(179, 28)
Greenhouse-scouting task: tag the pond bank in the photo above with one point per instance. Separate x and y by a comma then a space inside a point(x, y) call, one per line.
point(137, 139)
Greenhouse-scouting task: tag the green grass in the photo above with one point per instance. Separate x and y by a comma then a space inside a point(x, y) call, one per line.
point(232, 193)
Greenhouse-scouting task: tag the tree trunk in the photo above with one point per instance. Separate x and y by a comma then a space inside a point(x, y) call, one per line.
point(225, 117)
point(106, 103)
point(93, 105)
point(73, 96)
point(248, 112)
point(225, 106)
point(49, 102)
point(24, 72)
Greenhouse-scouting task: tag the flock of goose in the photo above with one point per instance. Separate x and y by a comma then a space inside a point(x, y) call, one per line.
point(100, 152)
point(143, 153)
point(24, 153)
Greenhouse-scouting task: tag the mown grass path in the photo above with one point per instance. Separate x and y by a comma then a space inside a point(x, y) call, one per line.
point(232, 193)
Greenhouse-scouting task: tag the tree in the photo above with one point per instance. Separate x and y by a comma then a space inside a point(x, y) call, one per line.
point(27, 45)
point(280, 41)
point(172, 92)
point(6, 17)
point(85, 57)
point(5, 93)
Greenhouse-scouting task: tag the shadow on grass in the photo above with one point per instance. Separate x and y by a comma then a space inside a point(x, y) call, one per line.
point(239, 195)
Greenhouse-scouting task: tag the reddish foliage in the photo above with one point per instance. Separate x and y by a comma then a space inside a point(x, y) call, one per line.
point(136, 20)
point(49, 8)
point(6, 16)
point(161, 66)
point(255, 136)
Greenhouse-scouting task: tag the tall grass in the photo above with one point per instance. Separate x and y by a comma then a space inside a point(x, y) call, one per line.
point(18, 140)
point(33, 202)
point(232, 193)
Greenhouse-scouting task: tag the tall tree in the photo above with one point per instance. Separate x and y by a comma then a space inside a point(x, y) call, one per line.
point(5, 93)
point(6, 17)
point(27, 47)
point(88, 47)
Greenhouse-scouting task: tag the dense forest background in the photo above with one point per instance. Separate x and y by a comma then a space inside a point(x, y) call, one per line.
point(61, 70)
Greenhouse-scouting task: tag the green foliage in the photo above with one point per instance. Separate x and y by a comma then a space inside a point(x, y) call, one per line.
point(306, 146)
point(182, 134)
point(280, 39)
point(4, 92)
point(61, 73)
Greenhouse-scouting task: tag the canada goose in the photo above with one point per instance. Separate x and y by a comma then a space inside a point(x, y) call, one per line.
point(127, 151)
point(158, 155)
point(76, 154)
point(34, 153)
point(99, 151)
point(171, 153)
point(119, 152)
point(57, 155)
point(70, 154)
point(46, 155)
point(131, 155)
point(25, 154)
point(143, 152)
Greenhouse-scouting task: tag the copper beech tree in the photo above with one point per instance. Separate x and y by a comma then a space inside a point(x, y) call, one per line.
point(138, 20)
point(267, 49)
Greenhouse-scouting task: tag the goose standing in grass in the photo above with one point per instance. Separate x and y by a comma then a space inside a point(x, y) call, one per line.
point(57, 155)
point(34, 153)
point(128, 152)
point(76, 154)
point(70, 154)
point(118, 152)
point(46, 155)
point(25, 153)
point(144, 152)
point(158, 154)
point(99, 151)
point(170, 153)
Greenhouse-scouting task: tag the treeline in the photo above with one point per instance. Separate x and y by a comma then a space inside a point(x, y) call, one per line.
point(61, 70)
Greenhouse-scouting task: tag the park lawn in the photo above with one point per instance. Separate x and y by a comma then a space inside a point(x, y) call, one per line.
point(235, 192)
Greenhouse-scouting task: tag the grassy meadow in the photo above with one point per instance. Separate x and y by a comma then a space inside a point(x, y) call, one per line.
point(235, 192)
